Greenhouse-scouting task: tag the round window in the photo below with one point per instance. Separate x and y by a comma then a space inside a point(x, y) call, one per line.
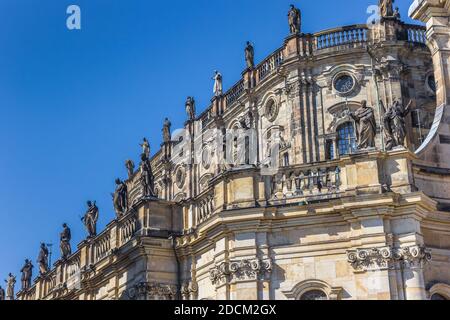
point(344, 83)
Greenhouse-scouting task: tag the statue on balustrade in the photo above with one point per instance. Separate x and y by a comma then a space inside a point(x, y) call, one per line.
point(386, 8)
point(394, 124)
point(250, 55)
point(90, 219)
point(166, 130)
point(2, 294)
point(145, 147)
point(43, 259)
point(295, 20)
point(366, 126)
point(120, 198)
point(10, 284)
point(65, 237)
point(190, 108)
point(27, 274)
point(218, 86)
point(147, 178)
point(397, 14)
point(129, 164)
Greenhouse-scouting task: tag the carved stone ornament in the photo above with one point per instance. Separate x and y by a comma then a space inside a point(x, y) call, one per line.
point(382, 258)
point(241, 270)
point(152, 291)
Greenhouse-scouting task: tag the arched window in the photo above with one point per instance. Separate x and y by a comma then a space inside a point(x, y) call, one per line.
point(346, 138)
point(314, 295)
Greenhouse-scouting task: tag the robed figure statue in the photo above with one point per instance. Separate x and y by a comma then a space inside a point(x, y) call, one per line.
point(64, 245)
point(43, 259)
point(147, 178)
point(2, 294)
point(395, 125)
point(386, 8)
point(250, 55)
point(366, 126)
point(218, 86)
point(90, 219)
point(27, 274)
point(120, 198)
point(190, 108)
point(10, 284)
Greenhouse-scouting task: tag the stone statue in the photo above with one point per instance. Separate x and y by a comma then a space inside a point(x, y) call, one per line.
point(397, 14)
point(166, 131)
point(27, 274)
point(90, 219)
point(64, 245)
point(145, 147)
point(218, 87)
point(394, 124)
point(250, 55)
point(129, 164)
point(148, 180)
point(190, 108)
point(295, 20)
point(43, 259)
point(2, 294)
point(10, 283)
point(366, 126)
point(386, 8)
point(120, 198)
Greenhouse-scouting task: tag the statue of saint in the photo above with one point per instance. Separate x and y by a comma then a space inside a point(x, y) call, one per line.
point(10, 283)
point(2, 294)
point(64, 245)
point(120, 198)
point(295, 20)
point(366, 126)
point(397, 14)
point(129, 164)
point(218, 87)
point(145, 147)
point(90, 219)
point(250, 55)
point(43, 259)
point(190, 108)
point(148, 180)
point(394, 124)
point(386, 8)
point(166, 131)
point(27, 274)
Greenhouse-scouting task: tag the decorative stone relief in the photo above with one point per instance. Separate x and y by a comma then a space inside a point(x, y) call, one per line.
point(189, 290)
point(152, 291)
point(381, 258)
point(241, 270)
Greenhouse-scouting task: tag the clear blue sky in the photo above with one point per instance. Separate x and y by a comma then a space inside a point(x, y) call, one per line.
point(74, 105)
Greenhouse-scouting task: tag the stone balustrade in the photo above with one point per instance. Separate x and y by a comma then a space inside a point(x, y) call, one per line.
point(340, 36)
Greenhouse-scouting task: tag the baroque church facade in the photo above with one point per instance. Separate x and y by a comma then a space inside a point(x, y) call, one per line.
point(321, 174)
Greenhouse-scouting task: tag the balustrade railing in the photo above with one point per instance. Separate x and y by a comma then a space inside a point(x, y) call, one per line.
point(235, 92)
point(340, 36)
point(204, 208)
point(416, 34)
point(127, 229)
point(265, 68)
point(102, 247)
point(319, 181)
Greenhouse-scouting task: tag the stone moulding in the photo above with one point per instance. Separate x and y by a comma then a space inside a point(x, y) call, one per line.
point(382, 258)
point(240, 270)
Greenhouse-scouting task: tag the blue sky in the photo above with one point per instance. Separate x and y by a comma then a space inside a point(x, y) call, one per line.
point(74, 105)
